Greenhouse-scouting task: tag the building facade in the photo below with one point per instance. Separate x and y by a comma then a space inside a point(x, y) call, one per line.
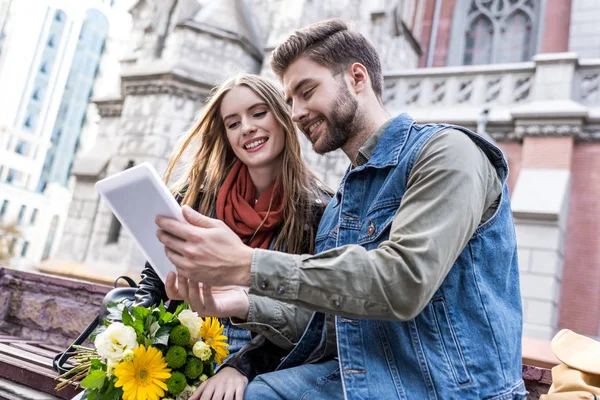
point(523, 72)
point(46, 77)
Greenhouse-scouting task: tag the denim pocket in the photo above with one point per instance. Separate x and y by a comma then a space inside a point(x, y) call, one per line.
point(449, 342)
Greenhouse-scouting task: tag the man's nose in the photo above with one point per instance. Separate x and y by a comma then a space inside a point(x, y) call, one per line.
point(299, 113)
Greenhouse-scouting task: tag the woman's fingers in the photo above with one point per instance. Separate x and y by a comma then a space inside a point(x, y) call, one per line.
point(194, 297)
point(182, 286)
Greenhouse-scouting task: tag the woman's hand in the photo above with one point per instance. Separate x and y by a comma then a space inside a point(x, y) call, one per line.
point(227, 384)
point(222, 302)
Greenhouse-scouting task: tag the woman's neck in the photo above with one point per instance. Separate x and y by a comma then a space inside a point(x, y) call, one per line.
point(263, 177)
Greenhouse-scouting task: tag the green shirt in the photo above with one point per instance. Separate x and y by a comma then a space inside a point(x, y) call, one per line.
point(451, 190)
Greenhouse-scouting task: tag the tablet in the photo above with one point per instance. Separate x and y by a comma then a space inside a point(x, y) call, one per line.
point(136, 196)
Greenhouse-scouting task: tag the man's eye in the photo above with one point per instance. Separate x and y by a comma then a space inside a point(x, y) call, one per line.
point(233, 125)
point(307, 92)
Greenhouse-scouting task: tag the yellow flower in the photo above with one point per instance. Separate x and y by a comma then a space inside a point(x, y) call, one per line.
point(143, 378)
point(211, 333)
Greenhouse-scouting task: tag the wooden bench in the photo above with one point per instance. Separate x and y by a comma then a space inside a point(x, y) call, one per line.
point(26, 370)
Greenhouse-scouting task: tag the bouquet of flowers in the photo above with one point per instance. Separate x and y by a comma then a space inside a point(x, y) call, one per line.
point(151, 354)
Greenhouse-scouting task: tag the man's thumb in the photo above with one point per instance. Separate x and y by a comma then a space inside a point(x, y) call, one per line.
point(195, 218)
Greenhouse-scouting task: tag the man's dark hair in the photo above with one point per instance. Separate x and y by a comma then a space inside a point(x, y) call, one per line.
point(329, 43)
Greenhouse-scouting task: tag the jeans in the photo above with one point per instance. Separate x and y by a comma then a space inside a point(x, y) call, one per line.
point(305, 382)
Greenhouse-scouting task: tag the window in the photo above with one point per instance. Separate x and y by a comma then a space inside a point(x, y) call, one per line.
point(51, 41)
point(44, 68)
point(499, 31)
point(27, 122)
point(515, 38)
point(36, 94)
point(478, 46)
point(59, 16)
point(24, 249)
point(13, 176)
point(21, 214)
point(33, 216)
point(3, 208)
point(22, 148)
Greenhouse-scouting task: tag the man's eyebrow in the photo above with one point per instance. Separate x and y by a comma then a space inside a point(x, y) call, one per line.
point(304, 81)
point(249, 108)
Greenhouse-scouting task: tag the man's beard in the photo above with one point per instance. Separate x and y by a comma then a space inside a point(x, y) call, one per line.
point(342, 124)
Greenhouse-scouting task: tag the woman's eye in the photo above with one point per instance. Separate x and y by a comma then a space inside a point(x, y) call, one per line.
point(260, 114)
point(233, 125)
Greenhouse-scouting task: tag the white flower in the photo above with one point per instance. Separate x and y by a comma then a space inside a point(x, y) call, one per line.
point(202, 350)
point(115, 340)
point(193, 322)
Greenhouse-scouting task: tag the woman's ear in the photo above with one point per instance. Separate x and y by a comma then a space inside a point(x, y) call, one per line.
point(359, 77)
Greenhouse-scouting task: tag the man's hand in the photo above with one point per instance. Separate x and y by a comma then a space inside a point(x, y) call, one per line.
point(205, 250)
point(222, 302)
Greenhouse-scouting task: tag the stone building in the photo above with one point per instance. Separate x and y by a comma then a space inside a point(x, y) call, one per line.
point(524, 72)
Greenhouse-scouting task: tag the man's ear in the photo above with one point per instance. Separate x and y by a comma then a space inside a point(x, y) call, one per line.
point(359, 77)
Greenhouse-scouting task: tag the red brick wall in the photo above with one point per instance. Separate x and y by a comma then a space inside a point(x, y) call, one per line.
point(548, 152)
point(513, 152)
point(442, 42)
point(580, 292)
point(426, 31)
point(556, 26)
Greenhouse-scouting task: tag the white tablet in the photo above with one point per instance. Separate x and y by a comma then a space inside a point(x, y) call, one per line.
point(136, 196)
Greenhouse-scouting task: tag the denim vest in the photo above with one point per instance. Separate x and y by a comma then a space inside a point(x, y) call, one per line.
point(466, 343)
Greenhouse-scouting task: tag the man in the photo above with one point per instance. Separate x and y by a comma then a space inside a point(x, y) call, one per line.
point(417, 256)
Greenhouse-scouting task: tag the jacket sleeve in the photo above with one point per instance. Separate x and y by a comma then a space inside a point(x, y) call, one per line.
point(257, 357)
point(151, 289)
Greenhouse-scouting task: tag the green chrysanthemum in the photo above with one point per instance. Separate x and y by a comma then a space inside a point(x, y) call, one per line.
point(176, 356)
point(193, 368)
point(180, 335)
point(176, 383)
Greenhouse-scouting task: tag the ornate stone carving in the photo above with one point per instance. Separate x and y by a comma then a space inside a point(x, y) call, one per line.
point(163, 86)
point(547, 130)
point(109, 108)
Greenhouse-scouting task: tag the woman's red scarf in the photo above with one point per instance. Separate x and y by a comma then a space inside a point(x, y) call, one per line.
point(249, 218)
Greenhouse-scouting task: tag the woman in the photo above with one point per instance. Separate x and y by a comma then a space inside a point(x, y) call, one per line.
point(248, 172)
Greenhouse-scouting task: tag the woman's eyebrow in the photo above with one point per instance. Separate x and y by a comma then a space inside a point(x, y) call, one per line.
point(249, 108)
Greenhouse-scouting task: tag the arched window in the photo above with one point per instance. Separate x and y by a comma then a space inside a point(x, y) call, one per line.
point(478, 43)
point(515, 38)
point(493, 31)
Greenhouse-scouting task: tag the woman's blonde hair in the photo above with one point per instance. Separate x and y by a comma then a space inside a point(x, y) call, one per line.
point(207, 169)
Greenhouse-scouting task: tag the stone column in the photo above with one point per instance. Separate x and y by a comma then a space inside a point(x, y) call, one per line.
point(540, 199)
point(556, 26)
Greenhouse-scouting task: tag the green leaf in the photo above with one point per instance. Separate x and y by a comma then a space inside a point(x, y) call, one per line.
point(96, 364)
point(181, 307)
point(140, 312)
point(126, 317)
point(161, 308)
point(168, 317)
point(94, 380)
point(162, 335)
point(138, 325)
point(99, 329)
